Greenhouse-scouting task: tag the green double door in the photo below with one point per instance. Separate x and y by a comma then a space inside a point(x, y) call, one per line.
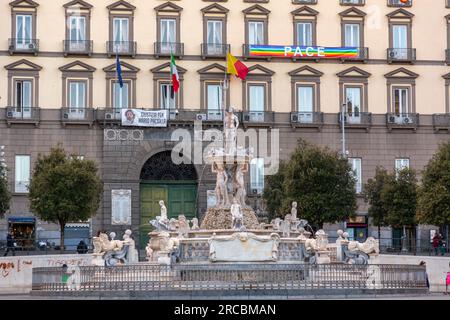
point(179, 198)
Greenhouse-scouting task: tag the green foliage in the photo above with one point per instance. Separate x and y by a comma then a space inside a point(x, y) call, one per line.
point(434, 194)
point(399, 196)
point(372, 194)
point(320, 180)
point(5, 196)
point(273, 193)
point(64, 189)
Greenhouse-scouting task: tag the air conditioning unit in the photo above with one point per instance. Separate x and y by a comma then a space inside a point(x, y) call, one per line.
point(31, 46)
point(10, 114)
point(109, 116)
point(393, 54)
point(294, 118)
point(66, 115)
point(407, 120)
point(201, 117)
point(391, 119)
point(247, 118)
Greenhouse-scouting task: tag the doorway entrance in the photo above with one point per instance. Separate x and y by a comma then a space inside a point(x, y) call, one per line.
point(176, 185)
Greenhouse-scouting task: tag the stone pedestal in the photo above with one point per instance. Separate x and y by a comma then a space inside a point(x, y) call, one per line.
point(97, 260)
point(322, 257)
point(220, 218)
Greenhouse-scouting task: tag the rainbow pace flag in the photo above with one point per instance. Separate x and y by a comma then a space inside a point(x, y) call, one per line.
point(304, 52)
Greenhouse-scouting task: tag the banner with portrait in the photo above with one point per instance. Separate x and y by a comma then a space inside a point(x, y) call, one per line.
point(144, 118)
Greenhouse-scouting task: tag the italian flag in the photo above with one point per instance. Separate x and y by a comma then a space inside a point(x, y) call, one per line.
point(174, 75)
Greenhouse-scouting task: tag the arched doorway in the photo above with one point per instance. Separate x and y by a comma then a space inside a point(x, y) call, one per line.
point(161, 179)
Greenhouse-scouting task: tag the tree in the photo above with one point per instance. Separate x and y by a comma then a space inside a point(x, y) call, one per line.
point(372, 194)
point(5, 196)
point(434, 194)
point(399, 196)
point(274, 192)
point(64, 189)
point(320, 180)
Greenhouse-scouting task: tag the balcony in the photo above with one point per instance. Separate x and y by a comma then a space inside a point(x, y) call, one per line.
point(258, 118)
point(23, 46)
point(352, 2)
point(402, 121)
point(26, 115)
point(304, 1)
point(166, 49)
point(441, 122)
point(122, 48)
point(77, 116)
point(109, 116)
point(307, 119)
point(401, 55)
point(399, 3)
point(363, 55)
point(357, 120)
point(246, 53)
point(79, 47)
point(214, 50)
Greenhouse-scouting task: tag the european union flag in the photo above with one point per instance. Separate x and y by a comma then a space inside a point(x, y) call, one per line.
point(119, 71)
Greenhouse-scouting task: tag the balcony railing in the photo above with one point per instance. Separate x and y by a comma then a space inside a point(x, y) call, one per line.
point(408, 121)
point(126, 48)
point(357, 120)
point(23, 45)
point(78, 47)
point(259, 118)
point(399, 3)
point(108, 115)
point(214, 50)
point(304, 1)
point(306, 119)
point(246, 53)
point(22, 115)
point(401, 55)
point(165, 49)
point(77, 116)
point(352, 2)
point(363, 55)
point(441, 121)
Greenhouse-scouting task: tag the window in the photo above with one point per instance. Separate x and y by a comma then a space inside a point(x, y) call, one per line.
point(23, 96)
point(214, 99)
point(167, 96)
point(352, 35)
point(400, 41)
point(23, 31)
point(121, 35)
point(357, 173)
point(256, 32)
point(353, 102)
point(257, 174)
point(77, 99)
point(401, 164)
point(22, 174)
point(401, 101)
point(256, 99)
point(214, 36)
point(168, 35)
point(77, 33)
point(121, 97)
point(305, 103)
point(304, 34)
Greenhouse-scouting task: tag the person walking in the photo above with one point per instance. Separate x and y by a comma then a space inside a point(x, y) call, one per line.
point(447, 282)
point(423, 263)
point(435, 243)
point(82, 247)
point(10, 245)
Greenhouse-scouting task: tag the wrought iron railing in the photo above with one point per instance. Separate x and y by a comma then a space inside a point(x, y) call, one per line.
point(22, 113)
point(399, 3)
point(121, 48)
point(304, 1)
point(168, 48)
point(258, 117)
point(231, 277)
point(78, 46)
point(352, 2)
point(401, 54)
point(356, 119)
point(307, 118)
point(77, 114)
point(441, 120)
point(23, 45)
point(402, 119)
point(214, 49)
point(363, 54)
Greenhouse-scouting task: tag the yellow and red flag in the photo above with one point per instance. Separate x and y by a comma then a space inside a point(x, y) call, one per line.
point(236, 67)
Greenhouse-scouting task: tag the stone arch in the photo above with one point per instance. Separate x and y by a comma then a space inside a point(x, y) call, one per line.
point(160, 167)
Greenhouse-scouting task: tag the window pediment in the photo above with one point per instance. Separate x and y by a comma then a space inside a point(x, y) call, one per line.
point(352, 12)
point(126, 67)
point(77, 4)
point(446, 76)
point(23, 65)
point(77, 66)
point(213, 69)
point(165, 68)
point(24, 4)
point(168, 7)
point(400, 14)
point(354, 72)
point(305, 11)
point(258, 69)
point(306, 71)
point(121, 6)
point(216, 9)
point(256, 10)
point(402, 73)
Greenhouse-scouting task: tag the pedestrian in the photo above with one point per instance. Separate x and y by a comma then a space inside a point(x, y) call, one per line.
point(423, 263)
point(10, 245)
point(435, 243)
point(447, 282)
point(82, 247)
point(65, 274)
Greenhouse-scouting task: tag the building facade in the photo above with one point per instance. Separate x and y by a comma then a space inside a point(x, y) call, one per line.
point(59, 85)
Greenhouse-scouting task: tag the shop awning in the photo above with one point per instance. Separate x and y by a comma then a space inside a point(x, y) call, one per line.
point(21, 220)
point(77, 225)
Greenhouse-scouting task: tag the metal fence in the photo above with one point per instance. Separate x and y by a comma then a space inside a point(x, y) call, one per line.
point(31, 246)
point(231, 277)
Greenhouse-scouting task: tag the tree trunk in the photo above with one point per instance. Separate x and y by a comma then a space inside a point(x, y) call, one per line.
point(61, 239)
point(379, 232)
